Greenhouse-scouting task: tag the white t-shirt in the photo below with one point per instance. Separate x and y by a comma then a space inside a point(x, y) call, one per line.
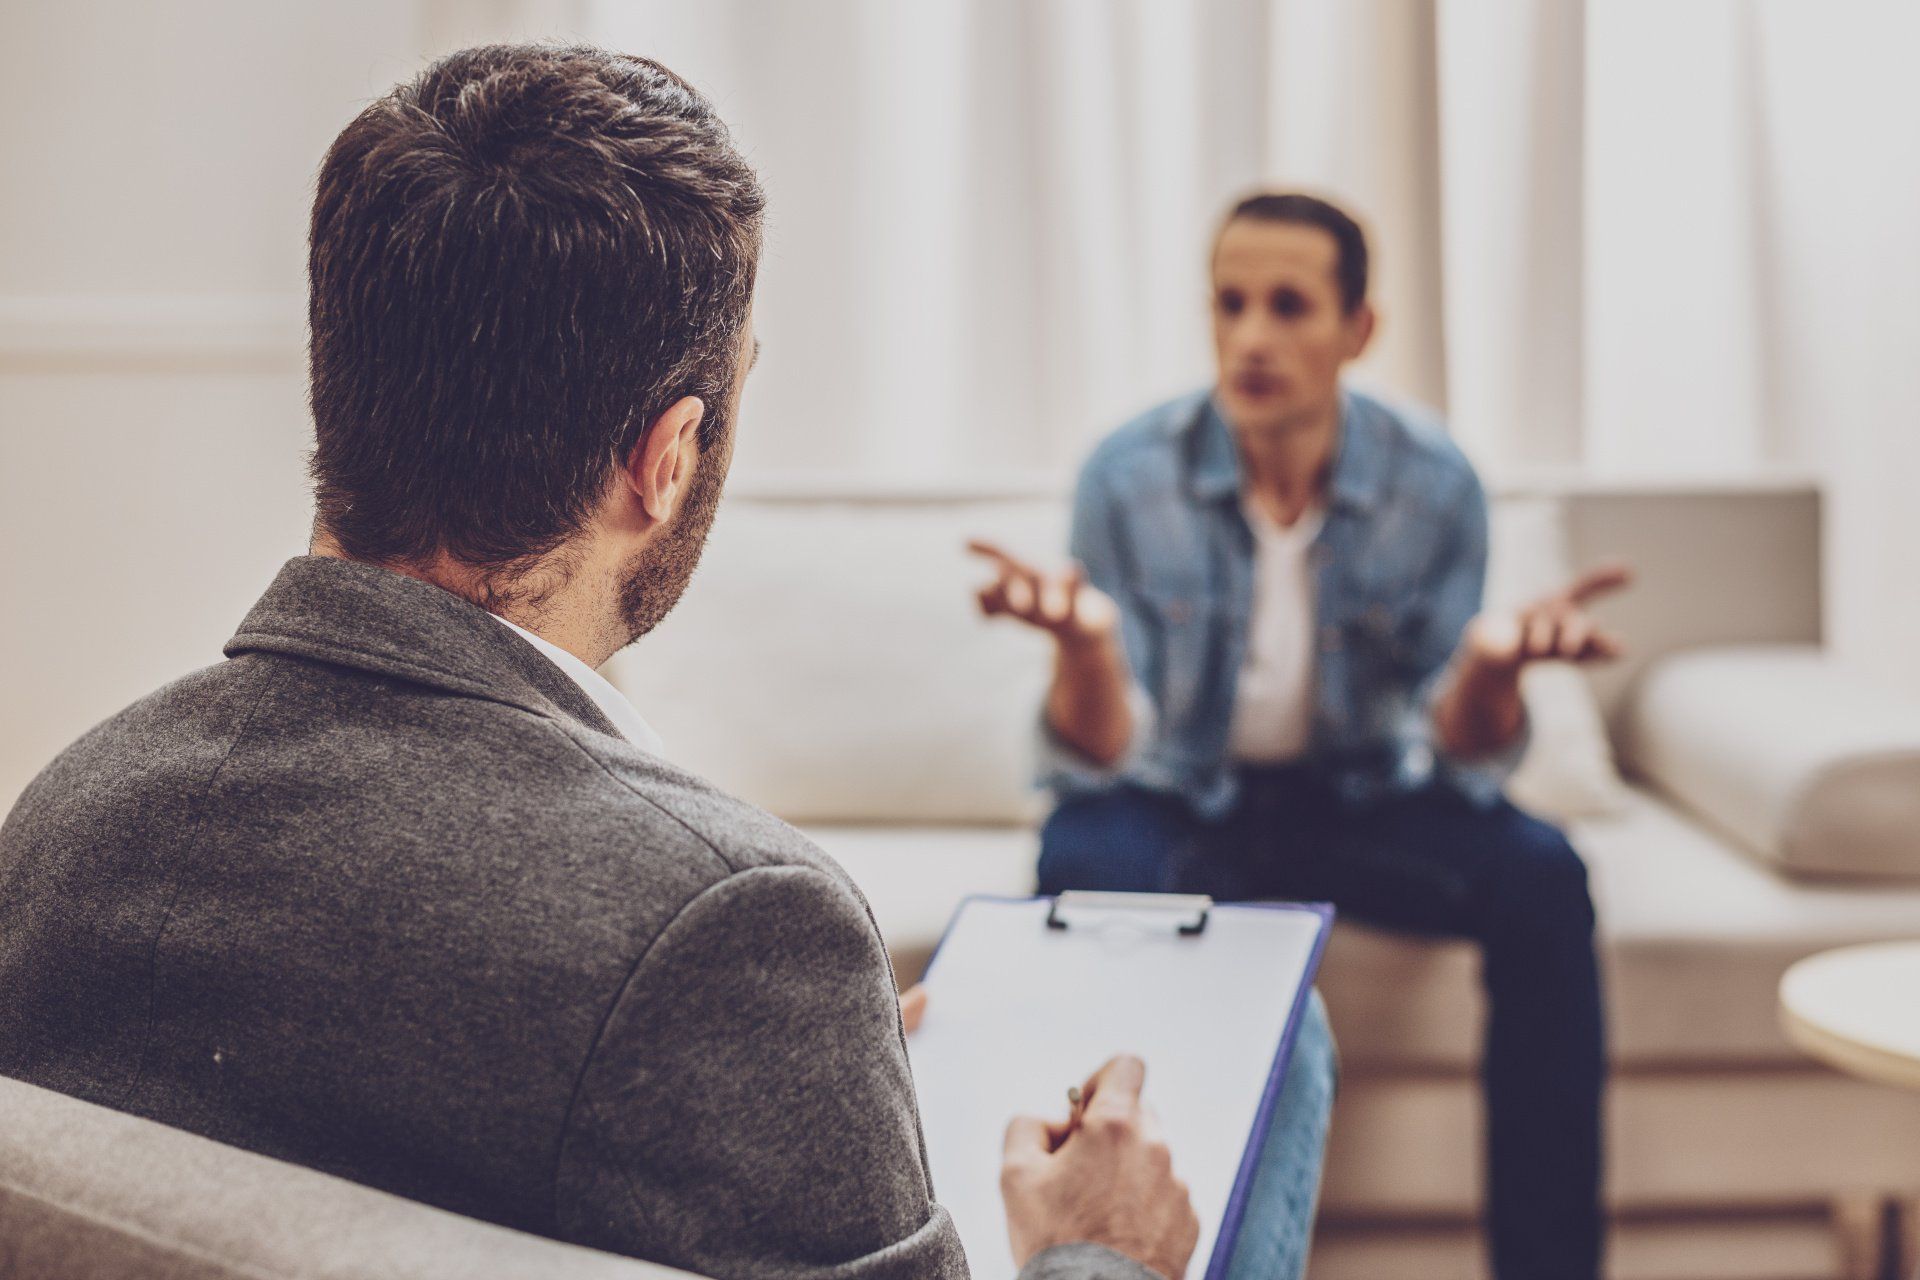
point(1273, 706)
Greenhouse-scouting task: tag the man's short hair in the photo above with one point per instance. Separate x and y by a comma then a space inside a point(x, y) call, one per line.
point(518, 261)
point(1311, 211)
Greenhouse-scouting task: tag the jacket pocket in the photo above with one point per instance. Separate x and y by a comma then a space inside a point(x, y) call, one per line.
point(1193, 634)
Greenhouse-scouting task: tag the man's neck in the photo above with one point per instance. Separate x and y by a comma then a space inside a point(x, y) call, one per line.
point(1288, 465)
point(553, 603)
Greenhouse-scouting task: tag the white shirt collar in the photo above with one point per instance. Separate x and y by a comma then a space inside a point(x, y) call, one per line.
point(610, 700)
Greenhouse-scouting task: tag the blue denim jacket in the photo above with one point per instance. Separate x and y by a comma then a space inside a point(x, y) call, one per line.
point(1400, 563)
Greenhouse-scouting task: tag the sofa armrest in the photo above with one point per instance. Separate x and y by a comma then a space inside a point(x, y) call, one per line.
point(1803, 762)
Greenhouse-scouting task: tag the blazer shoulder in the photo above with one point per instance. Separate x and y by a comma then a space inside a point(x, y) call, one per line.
point(156, 754)
point(742, 834)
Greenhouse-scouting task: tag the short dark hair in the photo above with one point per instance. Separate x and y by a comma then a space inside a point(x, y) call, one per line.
point(518, 261)
point(1310, 211)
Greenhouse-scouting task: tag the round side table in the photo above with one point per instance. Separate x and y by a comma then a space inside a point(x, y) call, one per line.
point(1858, 1009)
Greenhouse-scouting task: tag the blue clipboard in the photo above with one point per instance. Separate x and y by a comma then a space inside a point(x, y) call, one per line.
point(1175, 925)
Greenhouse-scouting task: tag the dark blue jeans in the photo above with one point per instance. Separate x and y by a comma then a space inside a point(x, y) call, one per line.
point(1428, 863)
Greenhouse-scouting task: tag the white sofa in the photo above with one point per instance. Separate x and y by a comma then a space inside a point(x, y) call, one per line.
point(827, 663)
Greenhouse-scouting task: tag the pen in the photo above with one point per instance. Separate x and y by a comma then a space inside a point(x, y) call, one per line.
point(1076, 1108)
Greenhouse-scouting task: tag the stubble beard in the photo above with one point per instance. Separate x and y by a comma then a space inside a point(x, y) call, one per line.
point(653, 581)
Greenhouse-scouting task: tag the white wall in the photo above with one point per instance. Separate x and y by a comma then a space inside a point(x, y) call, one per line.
point(158, 162)
point(1841, 106)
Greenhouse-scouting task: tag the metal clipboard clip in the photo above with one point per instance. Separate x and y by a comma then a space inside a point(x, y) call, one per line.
point(1196, 905)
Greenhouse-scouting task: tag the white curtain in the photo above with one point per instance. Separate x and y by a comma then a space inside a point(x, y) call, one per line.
point(1629, 239)
point(1838, 160)
point(991, 217)
point(1680, 246)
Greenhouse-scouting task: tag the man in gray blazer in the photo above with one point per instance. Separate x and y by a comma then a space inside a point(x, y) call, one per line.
point(395, 892)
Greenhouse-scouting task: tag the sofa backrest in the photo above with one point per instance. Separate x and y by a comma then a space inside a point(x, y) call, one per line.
point(1714, 566)
point(828, 662)
point(85, 1191)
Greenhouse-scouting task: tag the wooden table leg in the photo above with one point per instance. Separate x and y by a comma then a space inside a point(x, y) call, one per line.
point(1906, 1236)
point(1860, 1232)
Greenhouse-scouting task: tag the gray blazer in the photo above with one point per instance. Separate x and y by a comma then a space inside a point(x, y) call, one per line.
point(386, 895)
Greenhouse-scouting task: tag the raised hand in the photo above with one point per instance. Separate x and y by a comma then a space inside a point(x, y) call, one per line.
point(1481, 710)
point(1063, 605)
point(1087, 702)
point(1554, 628)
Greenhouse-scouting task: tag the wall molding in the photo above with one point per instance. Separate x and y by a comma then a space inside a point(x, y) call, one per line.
point(62, 333)
point(254, 333)
point(775, 488)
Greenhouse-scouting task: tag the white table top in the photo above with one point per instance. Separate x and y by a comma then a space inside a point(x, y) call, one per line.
point(1858, 1009)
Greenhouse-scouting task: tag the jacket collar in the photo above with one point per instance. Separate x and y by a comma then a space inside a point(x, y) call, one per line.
point(366, 618)
point(1359, 462)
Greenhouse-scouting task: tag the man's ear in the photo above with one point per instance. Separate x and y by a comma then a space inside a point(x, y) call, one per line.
point(663, 461)
point(1360, 327)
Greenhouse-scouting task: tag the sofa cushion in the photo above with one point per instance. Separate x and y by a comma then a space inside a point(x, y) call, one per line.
point(1815, 771)
point(829, 663)
point(1695, 938)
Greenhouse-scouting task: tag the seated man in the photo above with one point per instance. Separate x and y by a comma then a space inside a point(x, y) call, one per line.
point(1272, 684)
point(402, 890)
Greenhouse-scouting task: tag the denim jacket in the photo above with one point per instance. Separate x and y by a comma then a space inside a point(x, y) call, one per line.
point(1399, 564)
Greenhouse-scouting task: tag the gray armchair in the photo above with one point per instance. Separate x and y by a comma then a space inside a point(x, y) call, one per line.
point(95, 1194)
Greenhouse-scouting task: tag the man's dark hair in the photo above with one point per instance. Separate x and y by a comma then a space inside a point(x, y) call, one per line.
point(518, 261)
point(1311, 211)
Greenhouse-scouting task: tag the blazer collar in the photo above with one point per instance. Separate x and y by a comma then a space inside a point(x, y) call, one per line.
point(1359, 461)
point(371, 619)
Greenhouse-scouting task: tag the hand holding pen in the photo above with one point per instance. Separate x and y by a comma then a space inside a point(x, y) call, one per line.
point(1104, 1175)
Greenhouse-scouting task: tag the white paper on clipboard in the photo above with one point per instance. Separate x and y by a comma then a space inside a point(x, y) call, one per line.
point(1017, 1011)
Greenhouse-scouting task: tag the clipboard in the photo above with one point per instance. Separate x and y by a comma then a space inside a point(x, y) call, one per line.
point(1027, 996)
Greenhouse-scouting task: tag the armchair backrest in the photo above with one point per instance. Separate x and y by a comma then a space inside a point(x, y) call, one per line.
point(90, 1192)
